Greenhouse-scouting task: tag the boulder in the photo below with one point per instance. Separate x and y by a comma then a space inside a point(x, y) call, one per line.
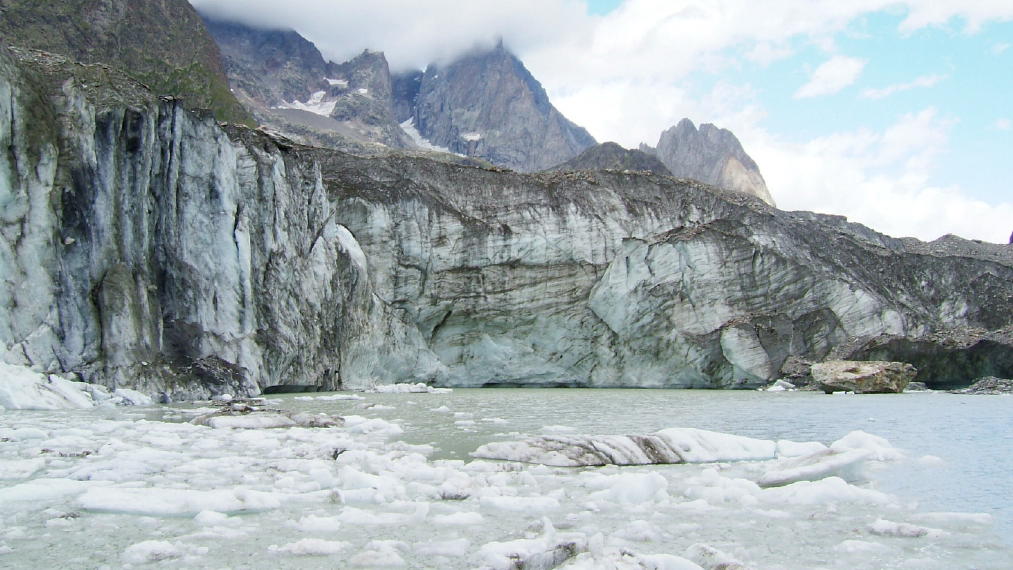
point(873, 377)
point(988, 385)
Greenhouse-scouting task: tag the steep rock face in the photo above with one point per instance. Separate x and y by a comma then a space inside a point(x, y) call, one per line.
point(269, 66)
point(710, 155)
point(487, 105)
point(162, 43)
point(146, 246)
point(365, 99)
point(143, 246)
point(283, 77)
point(611, 156)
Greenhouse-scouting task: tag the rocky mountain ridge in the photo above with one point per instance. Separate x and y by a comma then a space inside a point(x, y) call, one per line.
point(128, 35)
point(611, 156)
point(485, 105)
point(711, 155)
point(147, 246)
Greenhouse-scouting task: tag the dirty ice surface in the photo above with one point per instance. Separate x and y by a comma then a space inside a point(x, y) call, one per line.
point(396, 485)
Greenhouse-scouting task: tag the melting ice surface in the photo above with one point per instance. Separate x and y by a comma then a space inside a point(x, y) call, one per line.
point(397, 485)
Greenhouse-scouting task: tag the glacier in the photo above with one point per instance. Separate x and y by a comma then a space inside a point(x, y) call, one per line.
point(148, 247)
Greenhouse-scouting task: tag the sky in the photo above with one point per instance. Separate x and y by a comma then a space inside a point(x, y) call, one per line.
point(896, 114)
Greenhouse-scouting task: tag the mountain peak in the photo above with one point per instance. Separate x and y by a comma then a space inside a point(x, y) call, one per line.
point(486, 104)
point(712, 155)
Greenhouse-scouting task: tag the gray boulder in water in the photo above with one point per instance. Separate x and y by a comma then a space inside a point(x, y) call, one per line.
point(876, 377)
point(989, 385)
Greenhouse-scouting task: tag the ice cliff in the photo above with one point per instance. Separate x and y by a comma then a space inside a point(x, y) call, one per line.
point(146, 246)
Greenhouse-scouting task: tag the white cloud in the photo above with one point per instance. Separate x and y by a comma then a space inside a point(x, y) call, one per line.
point(923, 81)
point(1000, 48)
point(974, 13)
point(413, 34)
point(1002, 124)
point(880, 179)
point(831, 76)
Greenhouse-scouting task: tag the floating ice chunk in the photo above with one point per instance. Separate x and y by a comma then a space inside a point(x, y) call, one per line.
point(675, 445)
point(359, 424)
point(313, 523)
point(716, 489)
point(829, 490)
point(520, 504)
point(24, 434)
point(623, 559)
point(352, 515)
point(43, 490)
point(878, 448)
point(175, 502)
point(547, 551)
point(151, 551)
point(640, 531)
point(382, 553)
point(22, 388)
point(816, 466)
point(788, 448)
point(860, 546)
point(883, 527)
point(310, 547)
point(211, 518)
point(20, 468)
point(262, 420)
point(709, 557)
point(634, 488)
point(418, 388)
point(455, 548)
point(702, 446)
point(459, 518)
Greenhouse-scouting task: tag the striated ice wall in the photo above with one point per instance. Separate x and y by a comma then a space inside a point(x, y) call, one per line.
point(143, 247)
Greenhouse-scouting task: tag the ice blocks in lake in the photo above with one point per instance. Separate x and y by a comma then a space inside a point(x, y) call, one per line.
point(183, 495)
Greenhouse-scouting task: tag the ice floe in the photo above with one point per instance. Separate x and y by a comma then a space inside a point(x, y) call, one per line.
point(418, 388)
point(22, 388)
point(365, 494)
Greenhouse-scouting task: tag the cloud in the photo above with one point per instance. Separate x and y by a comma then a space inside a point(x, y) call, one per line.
point(923, 81)
point(1002, 124)
point(412, 34)
point(881, 179)
point(831, 76)
point(974, 13)
point(999, 48)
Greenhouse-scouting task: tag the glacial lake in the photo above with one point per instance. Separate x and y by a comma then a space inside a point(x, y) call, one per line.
point(396, 486)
